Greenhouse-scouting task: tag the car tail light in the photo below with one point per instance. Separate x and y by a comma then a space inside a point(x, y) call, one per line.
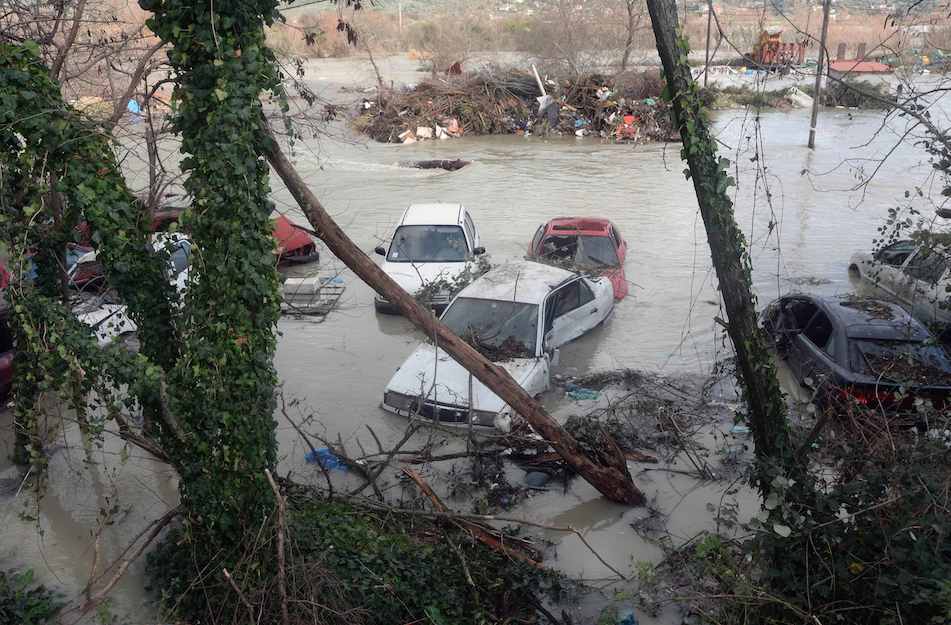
point(866, 396)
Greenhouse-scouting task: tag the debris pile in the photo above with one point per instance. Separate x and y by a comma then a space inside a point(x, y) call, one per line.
point(626, 107)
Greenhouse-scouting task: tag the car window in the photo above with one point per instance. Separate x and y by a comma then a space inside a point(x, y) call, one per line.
point(494, 327)
point(895, 254)
point(596, 252)
point(928, 265)
point(180, 258)
point(905, 362)
point(797, 313)
point(586, 294)
point(434, 244)
point(819, 331)
point(470, 228)
point(564, 300)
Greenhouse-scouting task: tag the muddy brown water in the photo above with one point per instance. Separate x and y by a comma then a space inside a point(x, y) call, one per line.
point(337, 369)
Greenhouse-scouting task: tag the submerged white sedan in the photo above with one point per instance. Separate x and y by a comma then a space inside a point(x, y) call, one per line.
point(517, 315)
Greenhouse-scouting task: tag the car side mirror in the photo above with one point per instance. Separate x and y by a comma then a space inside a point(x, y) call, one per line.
point(478, 251)
point(379, 250)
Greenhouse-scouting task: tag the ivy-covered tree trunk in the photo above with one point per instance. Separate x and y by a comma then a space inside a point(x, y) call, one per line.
point(222, 387)
point(728, 249)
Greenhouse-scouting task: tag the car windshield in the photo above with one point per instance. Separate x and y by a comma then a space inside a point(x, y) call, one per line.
point(500, 330)
point(428, 244)
point(580, 251)
point(904, 362)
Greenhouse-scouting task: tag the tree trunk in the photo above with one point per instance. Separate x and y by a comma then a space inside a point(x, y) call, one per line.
point(614, 482)
point(767, 412)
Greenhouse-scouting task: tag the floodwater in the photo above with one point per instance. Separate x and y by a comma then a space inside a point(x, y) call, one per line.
point(803, 211)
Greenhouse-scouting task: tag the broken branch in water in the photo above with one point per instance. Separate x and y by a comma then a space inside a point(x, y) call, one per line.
point(122, 563)
point(483, 534)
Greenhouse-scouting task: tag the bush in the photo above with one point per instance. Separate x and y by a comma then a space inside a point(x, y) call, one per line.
point(25, 603)
point(360, 566)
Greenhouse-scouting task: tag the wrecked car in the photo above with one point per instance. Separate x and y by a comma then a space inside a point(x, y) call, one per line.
point(517, 315)
point(587, 244)
point(916, 275)
point(432, 244)
point(111, 320)
point(862, 351)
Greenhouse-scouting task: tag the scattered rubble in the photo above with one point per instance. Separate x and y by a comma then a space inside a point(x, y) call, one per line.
point(626, 107)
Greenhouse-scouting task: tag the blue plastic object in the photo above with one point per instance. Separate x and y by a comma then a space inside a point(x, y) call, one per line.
point(580, 393)
point(626, 616)
point(325, 458)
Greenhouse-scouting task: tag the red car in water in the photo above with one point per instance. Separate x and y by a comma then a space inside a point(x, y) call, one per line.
point(587, 244)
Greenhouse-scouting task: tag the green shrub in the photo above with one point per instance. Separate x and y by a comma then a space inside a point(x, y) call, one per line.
point(23, 602)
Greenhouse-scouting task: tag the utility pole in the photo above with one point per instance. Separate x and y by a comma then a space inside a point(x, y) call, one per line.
point(706, 65)
point(399, 12)
point(817, 92)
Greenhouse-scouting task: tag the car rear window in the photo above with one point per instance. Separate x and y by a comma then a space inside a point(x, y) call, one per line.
point(902, 362)
point(596, 252)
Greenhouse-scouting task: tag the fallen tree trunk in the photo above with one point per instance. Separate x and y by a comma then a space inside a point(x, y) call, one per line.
point(767, 411)
point(614, 482)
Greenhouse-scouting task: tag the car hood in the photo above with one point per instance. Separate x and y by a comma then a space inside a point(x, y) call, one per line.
point(415, 378)
point(412, 276)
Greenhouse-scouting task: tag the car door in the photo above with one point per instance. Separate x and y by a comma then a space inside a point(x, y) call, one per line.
point(570, 311)
point(924, 286)
point(885, 270)
point(471, 231)
point(814, 349)
point(621, 244)
point(536, 241)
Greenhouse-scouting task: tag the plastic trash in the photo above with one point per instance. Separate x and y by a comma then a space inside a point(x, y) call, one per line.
point(650, 101)
point(740, 429)
point(407, 137)
point(580, 393)
point(424, 132)
point(626, 615)
point(325, 458)
point(536, 479)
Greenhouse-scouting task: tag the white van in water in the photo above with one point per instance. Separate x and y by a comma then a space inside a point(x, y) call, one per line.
point(432, 242)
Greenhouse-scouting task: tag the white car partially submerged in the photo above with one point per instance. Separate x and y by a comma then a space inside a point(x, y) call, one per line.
point(432, 244)
point(518, 315)
point(917, 276)
point(110, 321)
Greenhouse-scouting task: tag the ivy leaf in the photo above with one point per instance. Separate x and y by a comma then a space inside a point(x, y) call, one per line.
point(782, 530)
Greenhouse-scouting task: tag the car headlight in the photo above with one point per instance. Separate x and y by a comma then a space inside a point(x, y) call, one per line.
point(398, 400)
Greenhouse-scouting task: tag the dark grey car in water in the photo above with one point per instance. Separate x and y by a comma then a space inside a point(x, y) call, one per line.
point(860, 351)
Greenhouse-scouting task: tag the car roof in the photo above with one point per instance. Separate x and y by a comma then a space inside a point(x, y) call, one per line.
point(434, 214)
point(865, 317)
point(522, 281)
point(576, 225)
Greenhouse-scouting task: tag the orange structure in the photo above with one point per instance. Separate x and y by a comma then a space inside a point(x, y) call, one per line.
point(770, 50)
